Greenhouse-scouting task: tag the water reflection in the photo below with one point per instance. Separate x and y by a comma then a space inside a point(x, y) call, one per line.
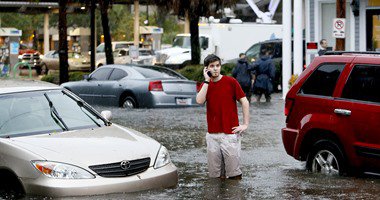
point(268, 172)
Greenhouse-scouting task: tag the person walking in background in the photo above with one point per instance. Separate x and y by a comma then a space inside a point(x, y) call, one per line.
point(224, 131)
point(242, 73)
point(323, 49)
point(265, 72)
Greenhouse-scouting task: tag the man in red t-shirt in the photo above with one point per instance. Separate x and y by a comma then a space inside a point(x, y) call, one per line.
point(223, 138)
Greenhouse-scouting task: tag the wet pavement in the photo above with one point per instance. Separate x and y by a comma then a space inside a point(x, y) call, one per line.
point(268, 172)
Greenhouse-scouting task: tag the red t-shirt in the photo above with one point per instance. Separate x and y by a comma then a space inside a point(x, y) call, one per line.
point(221, 99)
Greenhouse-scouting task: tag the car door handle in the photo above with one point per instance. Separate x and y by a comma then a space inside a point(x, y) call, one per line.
point(342, 112)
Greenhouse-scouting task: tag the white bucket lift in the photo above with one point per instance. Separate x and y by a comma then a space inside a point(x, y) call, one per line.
point(264, 17)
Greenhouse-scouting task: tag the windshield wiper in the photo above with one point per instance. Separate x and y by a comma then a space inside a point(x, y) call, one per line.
point(55, 115)
point(82, 105)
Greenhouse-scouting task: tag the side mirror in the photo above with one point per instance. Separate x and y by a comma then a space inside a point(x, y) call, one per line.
point(86, 77)
point(205, 44)
point(106, 114)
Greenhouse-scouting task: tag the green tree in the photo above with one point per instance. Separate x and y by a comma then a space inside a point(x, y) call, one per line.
point(104, 4)
point(195, 9)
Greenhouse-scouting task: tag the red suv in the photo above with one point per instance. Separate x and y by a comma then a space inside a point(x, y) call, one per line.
point(333, 114)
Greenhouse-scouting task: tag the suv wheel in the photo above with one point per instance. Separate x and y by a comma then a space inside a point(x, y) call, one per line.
point(326, 158)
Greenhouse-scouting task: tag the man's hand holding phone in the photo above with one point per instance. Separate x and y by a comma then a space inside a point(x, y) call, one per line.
point(207, 74)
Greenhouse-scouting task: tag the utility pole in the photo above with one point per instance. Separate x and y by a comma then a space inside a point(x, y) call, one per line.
point(92, 43)
point(136, 24)
point(340, 13)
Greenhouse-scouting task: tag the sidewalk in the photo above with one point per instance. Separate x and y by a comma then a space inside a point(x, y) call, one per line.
point(24, 82)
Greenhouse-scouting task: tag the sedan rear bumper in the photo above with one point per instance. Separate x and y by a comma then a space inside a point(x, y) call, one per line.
point(163, 100)
point(163, 177)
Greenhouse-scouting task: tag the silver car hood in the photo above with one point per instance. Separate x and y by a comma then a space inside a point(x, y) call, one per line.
point(91, 146)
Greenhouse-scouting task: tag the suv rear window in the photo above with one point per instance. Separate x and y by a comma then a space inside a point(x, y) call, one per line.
point(363, 84)
point(322, 81)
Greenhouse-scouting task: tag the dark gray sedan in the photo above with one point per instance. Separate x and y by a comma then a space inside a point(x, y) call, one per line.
point(135, 86)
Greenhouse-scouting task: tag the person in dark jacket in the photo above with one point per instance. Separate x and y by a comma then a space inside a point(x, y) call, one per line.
point(265, 72)
point(323, 49)
point(242, 73)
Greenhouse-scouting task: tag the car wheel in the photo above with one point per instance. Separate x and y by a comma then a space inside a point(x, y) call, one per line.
point(129, 103)
point(326, 158)
point(44, 69)
point(38, 70)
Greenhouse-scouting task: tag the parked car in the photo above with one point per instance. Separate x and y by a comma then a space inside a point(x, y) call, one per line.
point(77, 62)
point(135, 86)
point(25, 49)
point(254, 53)
point(333, 114)
point(116, 45)
point(31, 59)
point(121, 56)
point(52, 143)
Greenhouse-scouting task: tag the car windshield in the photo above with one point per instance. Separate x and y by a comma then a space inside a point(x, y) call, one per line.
point(253, 52)
point(100, 48)
point(39, 112)
point(74, 55)
point(182, 41)
point(157, 72)
point(145, 52)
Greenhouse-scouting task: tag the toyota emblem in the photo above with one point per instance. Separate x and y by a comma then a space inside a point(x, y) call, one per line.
point(125, 164)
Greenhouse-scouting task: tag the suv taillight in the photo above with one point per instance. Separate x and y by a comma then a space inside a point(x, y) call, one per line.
point(155, 86)
point(288, 106)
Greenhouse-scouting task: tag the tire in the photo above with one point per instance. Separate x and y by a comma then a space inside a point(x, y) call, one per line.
point(129, 103)
point(326, 158)
point(44, 69)
point(38, 70)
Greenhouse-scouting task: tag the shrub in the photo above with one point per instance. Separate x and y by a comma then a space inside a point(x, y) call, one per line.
point(195, 72)
point(77, 76)
point(292, 79)
point(51, 78)
point(227, 68)
point(73, 76)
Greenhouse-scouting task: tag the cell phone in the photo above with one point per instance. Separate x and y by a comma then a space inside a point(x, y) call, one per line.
point(209, 74)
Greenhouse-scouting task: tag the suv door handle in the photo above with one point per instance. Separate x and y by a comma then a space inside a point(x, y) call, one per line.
point(342, 112)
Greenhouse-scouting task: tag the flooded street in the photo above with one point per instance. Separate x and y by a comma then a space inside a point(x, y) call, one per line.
point(268, 172)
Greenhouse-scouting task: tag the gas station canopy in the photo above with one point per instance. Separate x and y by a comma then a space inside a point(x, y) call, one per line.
point(46, 6)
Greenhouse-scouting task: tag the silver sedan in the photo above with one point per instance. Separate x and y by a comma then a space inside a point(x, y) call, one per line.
point(133, 86)
point(52, 143)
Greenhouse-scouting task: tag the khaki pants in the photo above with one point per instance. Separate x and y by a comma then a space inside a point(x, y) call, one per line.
point(223, 154)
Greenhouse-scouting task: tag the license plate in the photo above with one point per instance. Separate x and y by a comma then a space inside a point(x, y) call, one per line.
point(183, 101)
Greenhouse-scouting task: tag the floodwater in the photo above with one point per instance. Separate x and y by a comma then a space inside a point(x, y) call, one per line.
point(268, 172)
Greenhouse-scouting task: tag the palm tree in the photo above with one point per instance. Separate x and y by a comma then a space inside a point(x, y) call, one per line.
point(196, 9)
point(104, 4)
point(63, 57)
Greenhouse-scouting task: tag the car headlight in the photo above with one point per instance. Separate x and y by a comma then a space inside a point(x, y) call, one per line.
point(162, 158)
point(61, 170)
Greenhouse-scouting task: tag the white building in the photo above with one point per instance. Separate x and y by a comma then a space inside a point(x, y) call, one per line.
point(362, 31)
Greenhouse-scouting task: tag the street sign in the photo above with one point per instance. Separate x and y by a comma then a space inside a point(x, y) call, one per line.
point(311, 47)
point(339, 26)
point(134, 52)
